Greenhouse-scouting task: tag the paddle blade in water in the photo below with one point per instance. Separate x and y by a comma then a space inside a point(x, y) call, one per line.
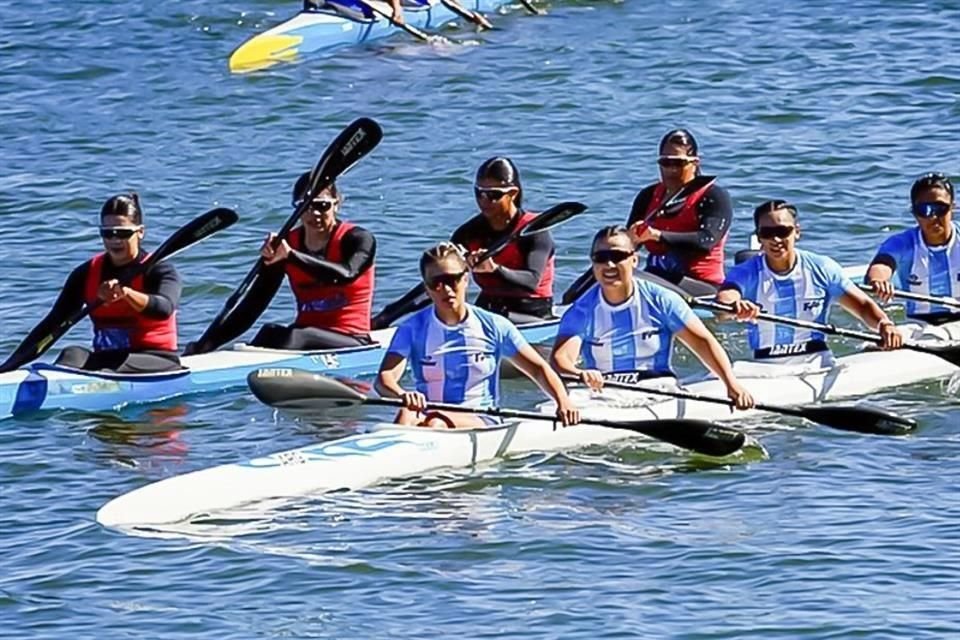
point(702, 436)
point(860, 419)
point(296, 389)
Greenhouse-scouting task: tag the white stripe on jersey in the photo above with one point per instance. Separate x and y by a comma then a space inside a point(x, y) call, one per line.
point(935, 271)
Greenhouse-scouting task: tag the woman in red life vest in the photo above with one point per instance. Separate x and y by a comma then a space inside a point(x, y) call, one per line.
point(329, 264)
point(135, 330)
point(517, 282)
point(685, 247)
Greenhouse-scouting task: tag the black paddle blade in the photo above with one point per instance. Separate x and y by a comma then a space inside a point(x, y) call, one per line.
point(193, 232)
point(553, 217)
point(859, 419)
point(296, 389)
point(702, 436)
point(949, 352)
point(358, 139)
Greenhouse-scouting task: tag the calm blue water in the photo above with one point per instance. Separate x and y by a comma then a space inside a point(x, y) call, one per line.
point(835, 106)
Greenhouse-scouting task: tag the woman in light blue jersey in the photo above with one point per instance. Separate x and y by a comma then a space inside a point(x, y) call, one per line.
point(926, 258)
point(455, 349)
point(798, 284)
point(623, 328)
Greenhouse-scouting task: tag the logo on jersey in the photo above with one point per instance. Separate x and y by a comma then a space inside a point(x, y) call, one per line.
point(789, 349)
point(914, 280)
point(813, 305)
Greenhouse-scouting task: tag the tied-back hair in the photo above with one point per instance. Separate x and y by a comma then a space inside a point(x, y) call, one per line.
point(303, 183)
point(933, 180)
point(441, 252)
point(769, 207)
point(126, 205)
point(502, 169)
point(680, 137)
point(612, 231)
point(684, 138)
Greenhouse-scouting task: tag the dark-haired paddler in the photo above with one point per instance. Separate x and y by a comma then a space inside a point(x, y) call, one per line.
point(684, 245)
point(924, 259)
point(329, 263)
point(518, 282)
point(135, 329)
point(791, 282)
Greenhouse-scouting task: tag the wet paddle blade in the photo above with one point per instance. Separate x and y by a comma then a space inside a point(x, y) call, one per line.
point(859, 419)
point(300, 390)
point(702, 436)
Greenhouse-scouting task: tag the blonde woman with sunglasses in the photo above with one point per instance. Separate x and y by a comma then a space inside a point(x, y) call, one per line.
point(454, 351)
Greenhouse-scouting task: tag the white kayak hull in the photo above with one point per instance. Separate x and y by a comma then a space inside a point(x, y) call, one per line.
point(390, 451)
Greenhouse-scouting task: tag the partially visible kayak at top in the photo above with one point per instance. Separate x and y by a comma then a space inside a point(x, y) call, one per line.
point(317, 30)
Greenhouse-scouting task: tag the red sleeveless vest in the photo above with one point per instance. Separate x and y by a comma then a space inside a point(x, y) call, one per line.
point(117, 325)
point(340, 307)
point(512, 258)
point(707, 266)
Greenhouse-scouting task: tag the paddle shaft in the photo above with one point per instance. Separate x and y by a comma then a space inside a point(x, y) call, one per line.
point(727, 438)
point(529, 7)
point(467, 14)
point(413, 31)
point(686, 395)
point(919, 297)
point(949, 355)
point(870, 420)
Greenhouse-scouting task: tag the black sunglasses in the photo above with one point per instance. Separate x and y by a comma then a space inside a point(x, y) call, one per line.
point(491, 194)
point(322, 206)
point(673, 163)
point(124, 233)
point(445, 279)
point(775, 231)
point(615, 256)
point(931, 209)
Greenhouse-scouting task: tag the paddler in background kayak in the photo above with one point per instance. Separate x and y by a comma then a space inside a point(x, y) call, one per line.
point(924, 259)
point(517, 283)
point(623, 327)
point(330, 266)
point(455, 349)
point(686, 247)
point(358, 11)
point(135, 330)
point(798, 284)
